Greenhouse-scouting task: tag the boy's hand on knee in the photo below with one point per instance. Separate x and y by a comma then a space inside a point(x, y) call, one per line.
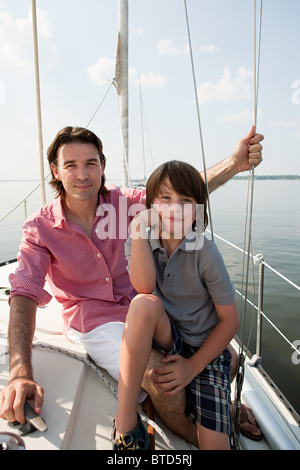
point(174, 376)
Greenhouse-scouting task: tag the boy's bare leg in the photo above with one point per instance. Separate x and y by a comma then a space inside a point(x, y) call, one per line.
point(135, 351)
point(212, 440)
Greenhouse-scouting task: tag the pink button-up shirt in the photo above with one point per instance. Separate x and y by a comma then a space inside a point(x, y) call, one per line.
point(88, 277)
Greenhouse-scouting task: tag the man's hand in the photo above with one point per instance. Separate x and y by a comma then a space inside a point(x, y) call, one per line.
point(248, 151)
point(13, 396)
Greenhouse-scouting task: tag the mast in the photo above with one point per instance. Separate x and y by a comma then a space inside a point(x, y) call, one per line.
point(38, 99)
point(122, 83)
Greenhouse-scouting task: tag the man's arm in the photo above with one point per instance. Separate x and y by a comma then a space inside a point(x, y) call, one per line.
point(20, 336)
point(21, 384)
point(246, 153)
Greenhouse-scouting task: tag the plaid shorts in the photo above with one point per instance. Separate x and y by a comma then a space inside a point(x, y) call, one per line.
point(208, 395)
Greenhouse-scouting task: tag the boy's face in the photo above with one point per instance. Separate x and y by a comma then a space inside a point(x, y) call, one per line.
point(177, 212)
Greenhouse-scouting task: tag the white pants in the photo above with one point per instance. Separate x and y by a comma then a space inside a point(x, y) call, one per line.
point(103, 345)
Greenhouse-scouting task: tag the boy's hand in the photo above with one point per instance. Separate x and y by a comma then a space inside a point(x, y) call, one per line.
point(248, 151)
point(147, 218)
point(175, 376)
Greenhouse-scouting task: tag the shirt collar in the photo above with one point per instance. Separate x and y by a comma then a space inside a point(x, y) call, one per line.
point(58, 212)
point(193, 240)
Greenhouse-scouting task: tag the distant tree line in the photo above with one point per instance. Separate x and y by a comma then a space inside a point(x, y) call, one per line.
point(269, 177)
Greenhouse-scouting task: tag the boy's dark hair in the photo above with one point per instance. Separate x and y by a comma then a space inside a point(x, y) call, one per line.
point(71, 135)
point(185, 180)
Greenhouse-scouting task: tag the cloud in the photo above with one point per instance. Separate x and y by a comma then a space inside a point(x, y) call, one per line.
point(210, 48)
point(228, 89)
point(152, 80)
point(165, 47)
point(136, 31)
point(16, 38)
point(243, 116)
point(102, 71)
point(286, 125)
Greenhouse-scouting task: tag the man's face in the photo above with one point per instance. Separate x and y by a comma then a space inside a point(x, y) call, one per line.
point(80, 170)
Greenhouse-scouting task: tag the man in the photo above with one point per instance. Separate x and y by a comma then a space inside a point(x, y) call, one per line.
point(77, 242)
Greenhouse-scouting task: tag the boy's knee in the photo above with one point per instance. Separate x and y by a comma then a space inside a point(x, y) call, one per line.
point(150, 300)
point(145, 306)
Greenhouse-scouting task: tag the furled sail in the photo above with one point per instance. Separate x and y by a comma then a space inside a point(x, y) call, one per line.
point(122, 82)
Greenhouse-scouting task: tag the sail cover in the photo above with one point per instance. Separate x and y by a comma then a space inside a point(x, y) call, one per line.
point(122, 81)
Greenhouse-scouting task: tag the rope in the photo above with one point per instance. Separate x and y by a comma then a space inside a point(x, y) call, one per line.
point(198, 117)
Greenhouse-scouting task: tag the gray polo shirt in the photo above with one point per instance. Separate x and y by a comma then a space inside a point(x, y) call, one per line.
point(189, 283)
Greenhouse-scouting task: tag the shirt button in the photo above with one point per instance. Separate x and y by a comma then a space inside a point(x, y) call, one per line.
point(107, 279)
point(98, 255)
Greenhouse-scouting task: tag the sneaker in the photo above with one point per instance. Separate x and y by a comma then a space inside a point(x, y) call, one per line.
point(137, 439)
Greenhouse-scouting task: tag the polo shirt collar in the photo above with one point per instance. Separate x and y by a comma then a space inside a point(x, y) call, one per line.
point(188, 243)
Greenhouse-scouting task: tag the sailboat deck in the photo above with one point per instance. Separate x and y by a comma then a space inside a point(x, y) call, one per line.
point(80, 400)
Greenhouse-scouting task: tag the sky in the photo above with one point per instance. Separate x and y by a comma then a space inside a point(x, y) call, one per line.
point(77, 49)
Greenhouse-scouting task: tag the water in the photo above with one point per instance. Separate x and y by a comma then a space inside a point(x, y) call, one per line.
point(275, 234)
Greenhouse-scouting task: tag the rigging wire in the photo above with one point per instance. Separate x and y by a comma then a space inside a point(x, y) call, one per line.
point(250, 195)
point(99, 105)
point(198, 116)
point(248, 224)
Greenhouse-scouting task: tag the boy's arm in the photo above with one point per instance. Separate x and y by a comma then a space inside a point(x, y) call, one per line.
point(219, 338)
point(142, 270)
point(184, 370)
